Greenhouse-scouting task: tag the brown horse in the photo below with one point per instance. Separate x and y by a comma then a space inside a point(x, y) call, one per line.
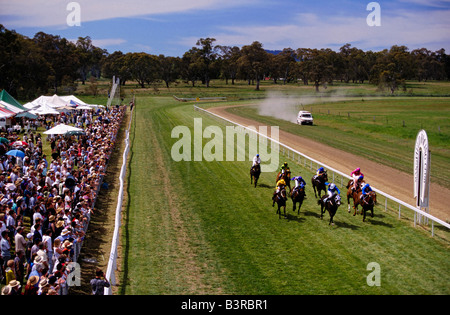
point(318, 182)
point(255, 171)
point(297, 196)
point(287, 178)
point(354, 194)
point(368, 203)
point(332, 204)
point(280, 199)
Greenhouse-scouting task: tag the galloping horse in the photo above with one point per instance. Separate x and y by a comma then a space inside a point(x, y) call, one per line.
point(287, 178)
point(297, 196)
point(368, 202)
point(318, 181)
point(331, 205)
point(255, 171)
point(280, 199)
point(354, 194)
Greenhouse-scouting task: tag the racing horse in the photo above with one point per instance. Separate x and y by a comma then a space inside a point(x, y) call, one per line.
point(255, 171)
point(280, 199)
point(297, 196)
point(318, 182)
point(355, 195)
point(331, 205)
point(368, 203)
point(287, 178)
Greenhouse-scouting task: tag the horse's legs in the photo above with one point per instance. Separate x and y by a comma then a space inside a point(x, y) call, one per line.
point(348, 203)
point(299, 206)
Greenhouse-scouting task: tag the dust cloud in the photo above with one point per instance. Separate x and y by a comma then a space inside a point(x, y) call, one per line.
point(286, 107)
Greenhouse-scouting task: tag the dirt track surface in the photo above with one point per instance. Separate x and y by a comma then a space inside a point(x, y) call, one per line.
point(384, 178)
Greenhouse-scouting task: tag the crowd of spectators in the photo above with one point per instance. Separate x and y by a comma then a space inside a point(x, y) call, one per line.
point(46, 201)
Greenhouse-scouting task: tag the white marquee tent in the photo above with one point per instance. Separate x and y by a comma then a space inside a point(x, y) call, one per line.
point(41, 109)
point(62, 129)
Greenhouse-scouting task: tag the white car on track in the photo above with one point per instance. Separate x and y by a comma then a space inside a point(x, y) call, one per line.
point(304, 118)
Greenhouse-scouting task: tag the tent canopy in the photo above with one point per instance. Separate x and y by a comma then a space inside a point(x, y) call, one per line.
point(43, 110)
point(27, 115)
point(6, 97)
point(61, 129)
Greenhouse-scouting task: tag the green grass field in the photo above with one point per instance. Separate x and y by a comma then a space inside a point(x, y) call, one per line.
point(201, 228)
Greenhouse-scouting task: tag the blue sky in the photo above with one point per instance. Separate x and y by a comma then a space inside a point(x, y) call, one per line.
point(171, 27)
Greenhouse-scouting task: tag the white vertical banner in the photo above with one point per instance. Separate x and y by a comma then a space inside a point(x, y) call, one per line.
point(422, 170)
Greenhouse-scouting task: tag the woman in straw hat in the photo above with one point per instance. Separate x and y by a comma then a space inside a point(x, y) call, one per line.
point(32, 286)
point(15, 287)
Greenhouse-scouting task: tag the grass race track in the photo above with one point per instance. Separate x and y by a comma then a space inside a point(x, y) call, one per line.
point(201, 228)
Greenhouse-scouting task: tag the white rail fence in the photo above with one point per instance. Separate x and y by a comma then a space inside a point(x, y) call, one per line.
point(418, 214)
point(112, 263)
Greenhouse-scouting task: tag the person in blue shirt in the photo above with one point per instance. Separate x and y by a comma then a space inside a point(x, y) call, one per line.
point(365, 190)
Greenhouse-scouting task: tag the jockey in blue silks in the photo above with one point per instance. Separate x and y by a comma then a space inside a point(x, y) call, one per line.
point(365, 190)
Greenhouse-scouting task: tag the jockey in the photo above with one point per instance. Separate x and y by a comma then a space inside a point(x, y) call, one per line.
point(365, 190)
point(332, 191)
point(281, 183)
point(256, 160)
point(299, 182)
point(355, 174)
point(359, 181)
point(320, 171)
point(284, 168)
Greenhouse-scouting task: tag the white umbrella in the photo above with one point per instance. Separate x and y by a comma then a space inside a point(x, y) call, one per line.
point(62, 130)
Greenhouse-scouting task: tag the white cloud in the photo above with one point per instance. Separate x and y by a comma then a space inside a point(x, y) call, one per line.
point(429, 3)
point(106, 42)
point(411, 28)
point(45, 13)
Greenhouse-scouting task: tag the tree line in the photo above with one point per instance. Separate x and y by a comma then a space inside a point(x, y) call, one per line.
point(48, 63)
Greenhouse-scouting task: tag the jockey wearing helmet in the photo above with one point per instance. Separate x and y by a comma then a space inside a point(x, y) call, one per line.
point(365, 190)
point(299, 182)
point(256, 161)
point(355, 175)
point(320, 171)
point(284, 168)
point(332, 191)
point(359, 181)
point(280, 184)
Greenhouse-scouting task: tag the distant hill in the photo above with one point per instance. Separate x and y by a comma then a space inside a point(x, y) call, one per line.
point(273, 52)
